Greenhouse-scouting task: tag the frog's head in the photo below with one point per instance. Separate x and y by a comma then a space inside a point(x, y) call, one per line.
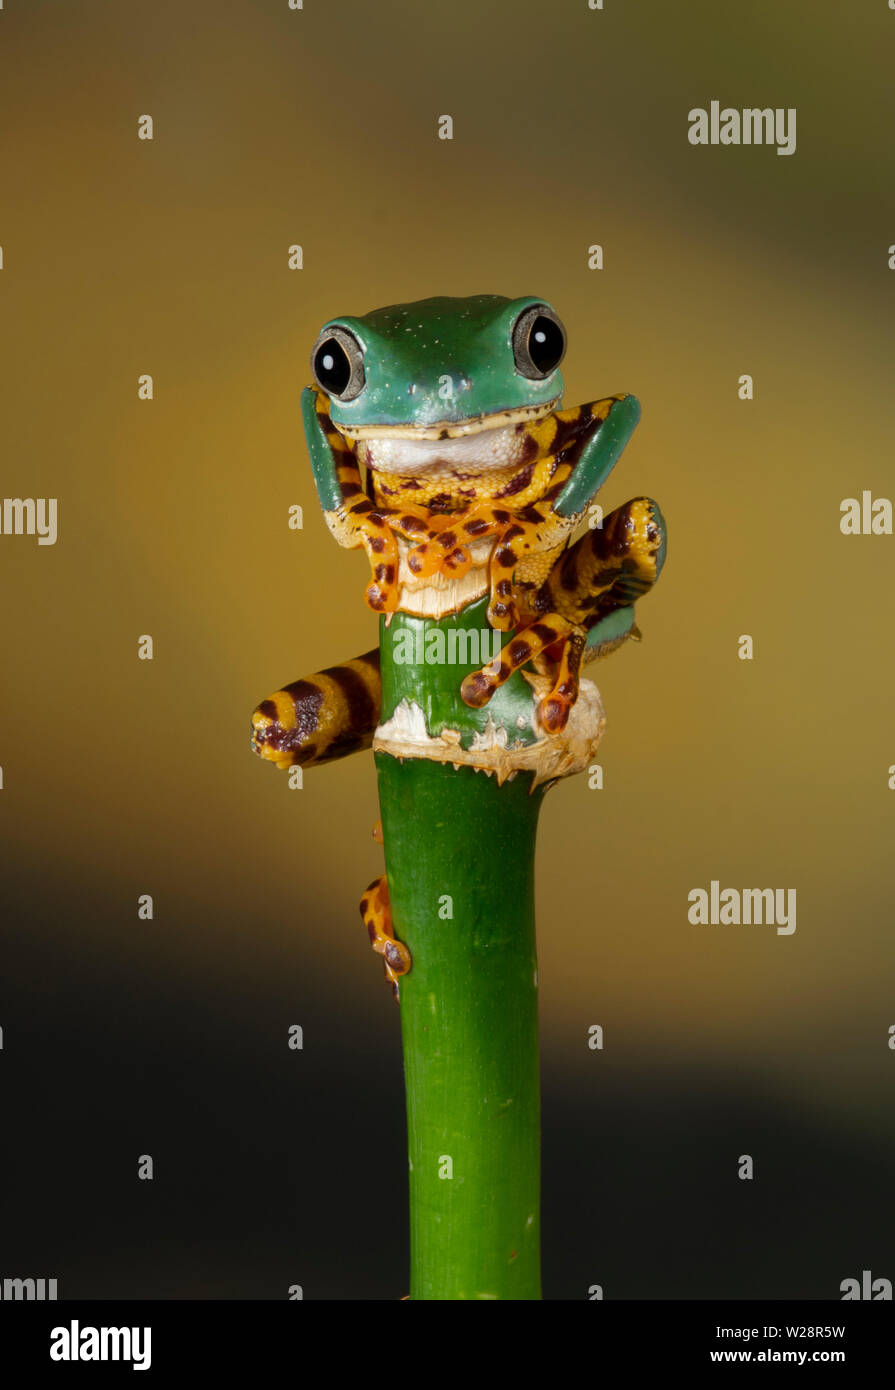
point(408, 379)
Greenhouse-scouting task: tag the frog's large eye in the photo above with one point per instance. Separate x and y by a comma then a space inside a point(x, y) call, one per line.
point(337, 362)
point(539, 342)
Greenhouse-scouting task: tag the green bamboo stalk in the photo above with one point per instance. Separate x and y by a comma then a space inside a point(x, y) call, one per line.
point(469, 1024)
point(459, 852)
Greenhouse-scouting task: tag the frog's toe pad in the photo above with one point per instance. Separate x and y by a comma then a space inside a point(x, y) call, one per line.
point(503, 614)
point(477, 689)
point(553, 713)
point(381, 594)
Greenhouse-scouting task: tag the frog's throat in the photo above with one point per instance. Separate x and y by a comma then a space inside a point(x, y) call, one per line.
point(451, 429)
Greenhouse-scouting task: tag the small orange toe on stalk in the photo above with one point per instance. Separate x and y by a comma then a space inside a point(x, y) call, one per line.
point(553, 713)
point(375, 909)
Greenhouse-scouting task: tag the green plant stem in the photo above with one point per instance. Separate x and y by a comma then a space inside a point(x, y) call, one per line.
point(459, 852)
point(457, 842)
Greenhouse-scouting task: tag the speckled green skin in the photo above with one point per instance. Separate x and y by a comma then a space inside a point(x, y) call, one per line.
point(411, 348)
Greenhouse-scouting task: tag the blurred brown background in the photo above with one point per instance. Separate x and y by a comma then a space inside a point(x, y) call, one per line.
point(123, 777)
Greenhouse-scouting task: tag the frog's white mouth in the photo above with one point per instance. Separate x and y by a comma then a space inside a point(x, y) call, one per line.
point(482, 443)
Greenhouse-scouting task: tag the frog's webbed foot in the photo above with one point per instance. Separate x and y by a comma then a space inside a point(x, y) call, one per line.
point(375, 909)
point(322, 717)
point(446, 550)
point(528, 643)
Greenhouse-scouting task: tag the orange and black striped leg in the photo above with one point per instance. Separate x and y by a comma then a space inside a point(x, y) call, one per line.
point(381, 594)
point(529, 642)
point(532, 528)
point(324, 716)
point(502, 611)
point(609, 567)
point(376, 911)
point(606, 570)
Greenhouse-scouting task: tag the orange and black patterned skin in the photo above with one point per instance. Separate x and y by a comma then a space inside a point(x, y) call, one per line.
point(321, 717)
point(315, 720)
point(441, 513)
point(408, 470)
point(552, 596)
point(606, 570)
point(375, 909)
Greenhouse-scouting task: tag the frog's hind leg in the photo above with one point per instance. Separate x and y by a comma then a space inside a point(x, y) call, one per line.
point(375, 909)
point(527, 644)
point(610, 566)
point(584, 608)
point(322, 717)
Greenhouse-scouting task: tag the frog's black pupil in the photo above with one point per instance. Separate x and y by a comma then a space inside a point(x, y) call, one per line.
point(545, 343)
point(332, 366)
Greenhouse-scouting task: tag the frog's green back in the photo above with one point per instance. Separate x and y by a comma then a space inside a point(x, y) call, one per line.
point(441, 359)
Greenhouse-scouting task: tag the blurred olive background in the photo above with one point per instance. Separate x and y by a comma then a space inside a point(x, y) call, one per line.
point(123, 777)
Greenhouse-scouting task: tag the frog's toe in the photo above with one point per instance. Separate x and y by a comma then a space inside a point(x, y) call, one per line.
point(321, 717)
point(282, 746)
point(279, 735)
point(503, 614)
point(381, 594)
point(457, 562)
point(553, 713)
point(375, 909)
point(423, 560)
point(477, 689)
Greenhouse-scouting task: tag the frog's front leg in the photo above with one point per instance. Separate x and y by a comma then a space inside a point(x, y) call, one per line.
point(322, 717)
point(583, 609)
point(349, 513)
point(584, 443)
